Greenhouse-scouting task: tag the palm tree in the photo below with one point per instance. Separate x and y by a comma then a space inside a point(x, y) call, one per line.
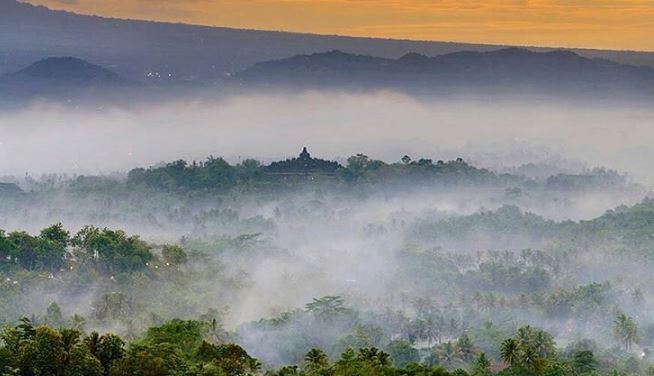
point(543, 343)
point(70, 338)
point(374, 356)
point(529, 357)
point(315, 360)
point(481, 366)
point(625, 330)
point(449, 355)
point(433, 328)
point(289, 371)
point(510, 352)
point(466, 347)
point(524, 335)
point(77, 322)
point(92, 341)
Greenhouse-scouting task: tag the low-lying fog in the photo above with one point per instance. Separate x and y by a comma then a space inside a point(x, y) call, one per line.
point(383, 250)
point(496, 133)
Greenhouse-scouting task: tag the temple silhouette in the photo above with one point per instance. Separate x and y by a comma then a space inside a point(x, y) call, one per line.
point(302, 165)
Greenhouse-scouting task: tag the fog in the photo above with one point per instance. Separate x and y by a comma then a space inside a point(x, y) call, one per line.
point(465, 251)
point(492, 132)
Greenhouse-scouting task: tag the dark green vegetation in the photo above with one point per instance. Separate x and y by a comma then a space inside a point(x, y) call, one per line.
point(314, 267)
point(188, 348)
point(462, 327)
point(217, 175)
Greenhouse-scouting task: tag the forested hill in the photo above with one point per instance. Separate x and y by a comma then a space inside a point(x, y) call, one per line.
point(623, 229)
point(217, 175)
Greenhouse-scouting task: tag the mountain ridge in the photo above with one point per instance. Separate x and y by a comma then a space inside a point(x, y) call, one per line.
point(500, 69)
point(139, 49)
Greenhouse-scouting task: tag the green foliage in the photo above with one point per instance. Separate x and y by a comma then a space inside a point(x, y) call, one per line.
point(36, 253)
point(216, 175)
point(403, 353)
point(528, 350)
point(53, 316)
point(481, 366)
point(584, 362)
point(328, 307)
point(156, 360)
point(115, 251)
point(186, 335)
point(626, 331)
point(315, 362)
point(174, 255)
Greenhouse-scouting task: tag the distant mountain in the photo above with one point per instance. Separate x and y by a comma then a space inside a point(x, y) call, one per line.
point(57, 76)
point(154, 51)
point(503, 69)
point(68, 71)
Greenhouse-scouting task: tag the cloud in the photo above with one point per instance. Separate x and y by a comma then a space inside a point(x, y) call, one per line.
point(622, 24)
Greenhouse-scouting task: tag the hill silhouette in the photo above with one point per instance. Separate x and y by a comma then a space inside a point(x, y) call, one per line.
point(143, 50)
point(69, 71)
point(510, 68)
point(62, 78)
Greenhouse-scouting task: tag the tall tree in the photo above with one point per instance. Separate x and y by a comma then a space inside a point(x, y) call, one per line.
point(625, 330)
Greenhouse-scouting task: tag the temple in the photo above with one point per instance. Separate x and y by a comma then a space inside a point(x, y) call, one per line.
point(303, 164)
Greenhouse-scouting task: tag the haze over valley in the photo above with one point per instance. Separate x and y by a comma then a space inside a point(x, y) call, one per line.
point(191, 200)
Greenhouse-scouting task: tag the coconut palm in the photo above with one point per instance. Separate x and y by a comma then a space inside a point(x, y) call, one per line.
point(449, 355)
point(529, 357)
point(481, 366)
point(543, 343)
point(467, 348)
point(510, 352)
point(315, 360)
point(625, 330)
point(374, 356)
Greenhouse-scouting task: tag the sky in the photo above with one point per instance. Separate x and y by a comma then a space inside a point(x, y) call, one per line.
point(606, 24)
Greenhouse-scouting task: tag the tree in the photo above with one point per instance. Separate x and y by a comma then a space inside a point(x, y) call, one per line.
point(327, 307)
point(374, 357)
point(156, 360)
point(510, 352)
point(53, 315)
point(315, 361)
point(466, 348)
point(174, 255)
point(77, 322)
point(56, 234)
point(403, 353)
point(44, 354)
point(625, 330)
point(113, 249)
point(481, 366)
point(187, 335)
point(449, 355)
point(109, 349)
point(584, 362)
point(231, 359)
point(82, 363)
point(113, 306)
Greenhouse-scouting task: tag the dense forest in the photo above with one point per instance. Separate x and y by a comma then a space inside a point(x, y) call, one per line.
point(179, 348)
point(307, 266)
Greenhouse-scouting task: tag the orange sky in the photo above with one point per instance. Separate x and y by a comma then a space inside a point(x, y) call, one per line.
point(611, 24)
